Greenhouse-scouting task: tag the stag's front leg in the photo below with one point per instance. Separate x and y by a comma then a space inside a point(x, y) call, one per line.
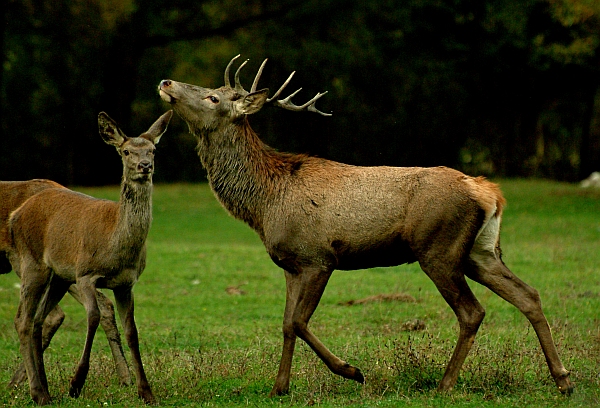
point(311, 283)
point(124, 299)
point(282, 381)
point(87, 289)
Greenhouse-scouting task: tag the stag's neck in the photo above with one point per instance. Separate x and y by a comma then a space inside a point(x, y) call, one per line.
point(244, 173)
point(134, 216)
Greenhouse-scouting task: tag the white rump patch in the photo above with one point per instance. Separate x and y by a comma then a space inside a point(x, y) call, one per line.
point(487, 237)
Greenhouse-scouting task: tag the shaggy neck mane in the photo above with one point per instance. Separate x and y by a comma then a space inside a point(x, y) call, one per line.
point(244, 173)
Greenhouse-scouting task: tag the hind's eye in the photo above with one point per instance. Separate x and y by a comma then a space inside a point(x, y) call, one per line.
point(213, 99)
point(126, 152)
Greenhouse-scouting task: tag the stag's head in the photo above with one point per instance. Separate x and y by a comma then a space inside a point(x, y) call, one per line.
point(211, 109)
point(137, 153)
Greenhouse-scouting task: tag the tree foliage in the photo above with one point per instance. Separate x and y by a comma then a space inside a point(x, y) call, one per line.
point(499, 87)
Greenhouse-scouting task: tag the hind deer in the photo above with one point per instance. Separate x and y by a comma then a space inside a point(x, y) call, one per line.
point(61, 237)
point(315, 215)
point(12, 195)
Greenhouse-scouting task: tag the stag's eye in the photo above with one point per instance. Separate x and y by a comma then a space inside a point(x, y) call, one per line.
point(126, 152)
point(213, 99)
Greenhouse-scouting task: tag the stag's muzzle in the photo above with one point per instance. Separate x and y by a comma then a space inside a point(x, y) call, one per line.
point(163, 90)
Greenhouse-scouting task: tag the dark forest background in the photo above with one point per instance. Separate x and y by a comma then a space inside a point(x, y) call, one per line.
point(493, 87)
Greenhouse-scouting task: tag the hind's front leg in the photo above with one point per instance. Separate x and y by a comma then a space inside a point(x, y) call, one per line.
point(87, 290)
point(124, 300)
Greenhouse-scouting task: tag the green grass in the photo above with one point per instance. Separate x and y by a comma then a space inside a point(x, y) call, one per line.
point(204, 347)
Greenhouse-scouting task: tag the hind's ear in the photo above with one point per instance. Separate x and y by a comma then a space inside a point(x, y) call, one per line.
point(158, 128)
point(109, 130)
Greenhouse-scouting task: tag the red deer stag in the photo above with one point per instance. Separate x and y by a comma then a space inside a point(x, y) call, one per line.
point(61, 237)
point(315, 215)
point(12, 195)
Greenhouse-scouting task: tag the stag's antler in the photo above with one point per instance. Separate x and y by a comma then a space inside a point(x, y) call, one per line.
point(238, 86)
point(285, 103)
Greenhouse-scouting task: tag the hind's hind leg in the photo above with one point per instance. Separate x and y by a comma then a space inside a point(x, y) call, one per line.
point(51, 325)
point(488, 270)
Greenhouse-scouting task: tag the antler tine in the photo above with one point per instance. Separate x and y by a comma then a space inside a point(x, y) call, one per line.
point(287, 81)
point(286, 103)
point(238, 85)
point(258, 74)
point(313, 108)
point(227, 83)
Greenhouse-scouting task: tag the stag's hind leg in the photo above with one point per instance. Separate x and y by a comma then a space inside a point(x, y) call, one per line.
point(451, 283)
point(489, 270)
point(469, 313)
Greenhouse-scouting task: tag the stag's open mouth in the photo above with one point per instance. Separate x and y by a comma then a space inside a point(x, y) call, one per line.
point(142, 176)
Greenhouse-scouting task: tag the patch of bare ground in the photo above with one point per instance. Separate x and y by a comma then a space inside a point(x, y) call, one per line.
point(393, 297)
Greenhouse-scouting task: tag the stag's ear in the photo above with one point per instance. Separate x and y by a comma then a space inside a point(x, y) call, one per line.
point(109, 130)
point(252, 102)
point(158, 128)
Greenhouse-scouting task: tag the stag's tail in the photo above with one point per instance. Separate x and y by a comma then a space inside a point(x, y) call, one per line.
point(492, 202)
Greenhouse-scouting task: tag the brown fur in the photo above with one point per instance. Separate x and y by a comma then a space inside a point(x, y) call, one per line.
point(61, 237)
point(12, 195)
point(315, 215)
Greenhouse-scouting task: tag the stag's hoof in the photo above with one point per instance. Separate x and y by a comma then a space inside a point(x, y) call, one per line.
point(278, 391)
point(147, 397)
point(565, 386)
point(41, 398)
point(358, 376)
point(351, 373)
point(75, 391)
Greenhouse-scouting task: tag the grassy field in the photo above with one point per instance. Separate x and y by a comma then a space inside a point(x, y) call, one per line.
point(203, 346)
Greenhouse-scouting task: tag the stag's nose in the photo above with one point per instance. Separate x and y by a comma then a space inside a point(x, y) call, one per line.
point(165, 83)
point(145, 166)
